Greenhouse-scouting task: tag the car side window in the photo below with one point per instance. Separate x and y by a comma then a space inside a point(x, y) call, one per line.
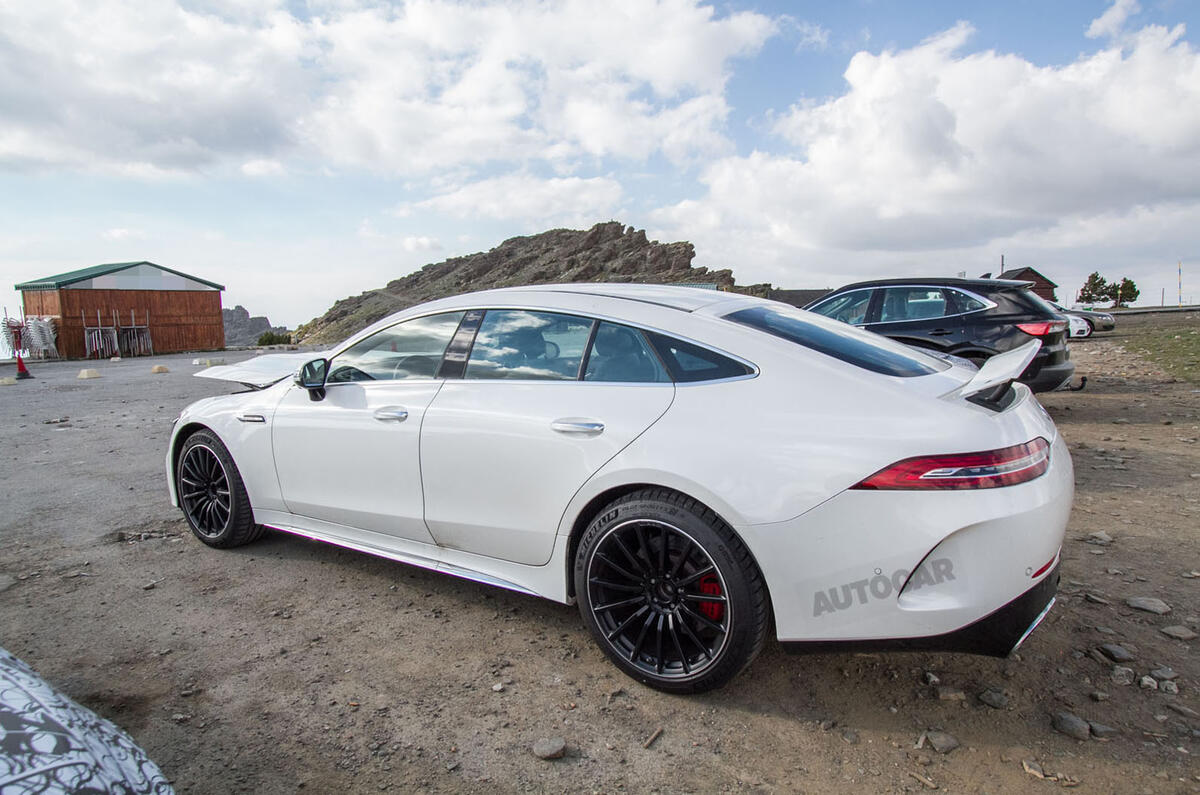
point(966, 303)
point(848, 307)
point(688, 363)
point(621, 354)
point(409, 349)
point(520, 344)
point(912, 303)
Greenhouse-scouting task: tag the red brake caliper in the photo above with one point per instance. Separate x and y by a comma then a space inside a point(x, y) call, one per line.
point(710, 585)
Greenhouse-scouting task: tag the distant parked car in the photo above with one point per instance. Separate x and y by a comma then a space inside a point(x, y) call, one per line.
point(971, 318)
point(1094, 321)
point(50, 744)
point(1077, 327)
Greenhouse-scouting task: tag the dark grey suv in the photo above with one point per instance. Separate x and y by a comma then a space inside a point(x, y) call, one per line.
point(970, 318)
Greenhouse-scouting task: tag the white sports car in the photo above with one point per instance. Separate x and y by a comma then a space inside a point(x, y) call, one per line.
point(683, 463)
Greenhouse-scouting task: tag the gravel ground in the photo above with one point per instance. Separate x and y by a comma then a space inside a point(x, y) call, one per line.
point(289, 665)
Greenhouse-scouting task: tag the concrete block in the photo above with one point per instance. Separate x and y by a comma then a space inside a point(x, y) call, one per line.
point(88, 373)
point(159, 368)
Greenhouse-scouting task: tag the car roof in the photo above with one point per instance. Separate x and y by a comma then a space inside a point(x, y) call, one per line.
point(937, 281)
point(686, 299)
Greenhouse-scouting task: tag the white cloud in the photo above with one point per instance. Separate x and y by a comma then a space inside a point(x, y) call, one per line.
point(420, 243)
point(808, 35)
point(263, 168)
point(163, 88)
point(120, 233)
point(1110, 23)
point(932, 150)
point(523, 197)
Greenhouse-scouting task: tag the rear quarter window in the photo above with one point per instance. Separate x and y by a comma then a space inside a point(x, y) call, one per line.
point(851, 345)
point(690, 363)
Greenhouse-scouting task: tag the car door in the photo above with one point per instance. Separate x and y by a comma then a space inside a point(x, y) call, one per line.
point(353, 457)
point(918, 314)
point(545, 400)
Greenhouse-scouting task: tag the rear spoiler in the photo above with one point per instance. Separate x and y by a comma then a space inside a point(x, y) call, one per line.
point(990, 384)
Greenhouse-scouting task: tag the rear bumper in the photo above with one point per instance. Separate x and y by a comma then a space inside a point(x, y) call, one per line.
point(1049, 377)
point(887, 567)
point(995, 635)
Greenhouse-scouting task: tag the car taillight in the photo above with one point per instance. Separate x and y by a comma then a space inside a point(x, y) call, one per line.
point(1042, 328)
point(987, 470)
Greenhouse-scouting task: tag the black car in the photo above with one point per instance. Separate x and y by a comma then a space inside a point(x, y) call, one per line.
point(970, 318)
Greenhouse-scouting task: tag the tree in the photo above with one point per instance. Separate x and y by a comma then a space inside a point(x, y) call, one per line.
point(1125, 292)
point(271, 338)
point(1096, 288)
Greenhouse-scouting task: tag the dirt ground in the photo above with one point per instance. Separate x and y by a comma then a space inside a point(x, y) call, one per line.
point(292, 666)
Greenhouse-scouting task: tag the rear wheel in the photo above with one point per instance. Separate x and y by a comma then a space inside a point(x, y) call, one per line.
point(211, 493)
point(670, 594)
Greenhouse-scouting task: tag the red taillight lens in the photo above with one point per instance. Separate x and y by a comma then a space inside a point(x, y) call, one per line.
point(986, 470)
point(1042, 328)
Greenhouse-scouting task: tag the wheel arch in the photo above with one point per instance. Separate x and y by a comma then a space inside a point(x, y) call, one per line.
point(596, 503)
point(182, 435)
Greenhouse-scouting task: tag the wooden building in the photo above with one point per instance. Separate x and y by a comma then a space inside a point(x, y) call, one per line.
point(128, 308)
point(1041, 285)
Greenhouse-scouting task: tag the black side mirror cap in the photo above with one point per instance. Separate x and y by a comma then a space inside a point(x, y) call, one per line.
point(312, 377)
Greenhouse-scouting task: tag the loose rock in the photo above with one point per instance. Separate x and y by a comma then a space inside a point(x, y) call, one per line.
point(994, 697)
point(1170, 688)
point(947, 693)
point(550, 748)
point(1102, 732)
point(1150, 604)
point(1071, 725)
point(1099, 538)
point(1148, 683)
point(1164, 672)
point(1122, 675)
point(1099, 695)
point(941, 742)
point(1117, 653)
point(1178, 632)
point(498, 687)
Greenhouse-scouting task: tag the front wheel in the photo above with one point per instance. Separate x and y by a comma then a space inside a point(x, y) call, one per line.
point(211, 493)
point(669, 593)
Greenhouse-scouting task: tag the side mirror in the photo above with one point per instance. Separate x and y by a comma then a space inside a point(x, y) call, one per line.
point(312, 377)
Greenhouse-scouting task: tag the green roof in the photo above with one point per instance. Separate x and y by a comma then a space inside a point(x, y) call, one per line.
point(83, 274)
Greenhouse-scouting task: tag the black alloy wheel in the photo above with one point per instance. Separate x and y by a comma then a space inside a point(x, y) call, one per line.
point(658, 598)
point(669, 592)
point(204, 491)
point(211, 493)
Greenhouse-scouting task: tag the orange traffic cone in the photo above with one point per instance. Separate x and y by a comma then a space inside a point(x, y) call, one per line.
point(22, 370)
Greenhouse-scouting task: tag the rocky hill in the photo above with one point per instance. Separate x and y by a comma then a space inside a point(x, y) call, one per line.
point(608, 252)
point(241, 329)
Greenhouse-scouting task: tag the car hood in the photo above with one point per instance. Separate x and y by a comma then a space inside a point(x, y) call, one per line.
point(261, 371)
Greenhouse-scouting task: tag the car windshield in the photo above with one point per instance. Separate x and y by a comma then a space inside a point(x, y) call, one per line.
point(853, 345)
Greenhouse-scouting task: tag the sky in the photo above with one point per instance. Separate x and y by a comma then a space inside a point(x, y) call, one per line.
point(299, 152)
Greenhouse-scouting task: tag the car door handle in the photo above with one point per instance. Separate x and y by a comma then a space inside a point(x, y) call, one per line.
point(568, 425)
point(391, 414)
point(940, 332)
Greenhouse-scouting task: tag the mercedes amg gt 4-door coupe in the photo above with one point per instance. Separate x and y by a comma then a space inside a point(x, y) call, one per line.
point(683, 464)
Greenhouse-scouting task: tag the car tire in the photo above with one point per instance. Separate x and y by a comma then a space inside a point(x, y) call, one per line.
point(211, 493)
point(670, 593)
